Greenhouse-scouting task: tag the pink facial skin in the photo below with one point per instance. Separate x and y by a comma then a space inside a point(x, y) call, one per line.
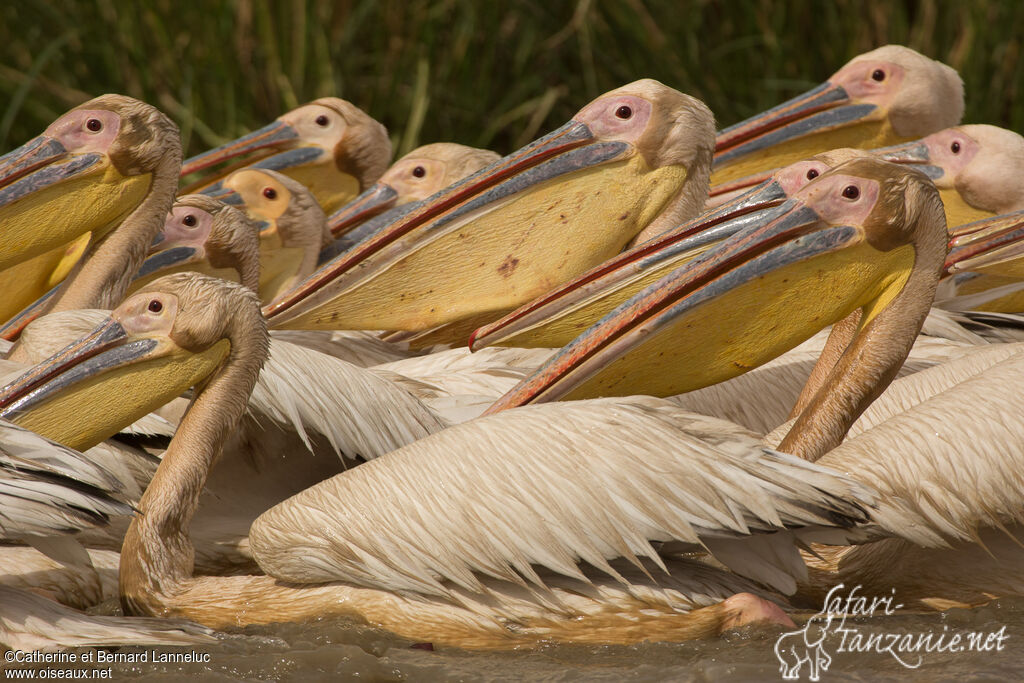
point(147, 312)
point(870, 80)
point(798, 175)
point(186, 225)
point(86, 130)
point(621, 117)
point(951, 149)
point(841, 198)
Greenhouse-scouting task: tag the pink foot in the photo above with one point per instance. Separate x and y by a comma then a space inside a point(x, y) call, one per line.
point(745, 608)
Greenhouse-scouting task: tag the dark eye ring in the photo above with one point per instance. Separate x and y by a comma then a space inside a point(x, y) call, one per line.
point(878, 75)
point(624, 112)
point(155, 306)
point(189, 220)
point(851, 192)
point(812, 174)
point(269, 193)
point(955, 148)
point(419, 172)
point(322, 120)
point(95, 125)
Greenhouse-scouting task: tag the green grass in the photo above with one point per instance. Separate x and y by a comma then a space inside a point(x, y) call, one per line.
point(485, 73)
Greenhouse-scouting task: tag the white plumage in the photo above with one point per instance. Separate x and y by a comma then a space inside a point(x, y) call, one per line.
point(547, 483)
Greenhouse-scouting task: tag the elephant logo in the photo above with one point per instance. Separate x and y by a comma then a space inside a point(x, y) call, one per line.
point(806, 646)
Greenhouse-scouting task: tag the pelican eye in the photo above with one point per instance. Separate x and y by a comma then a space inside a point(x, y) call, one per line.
point(189, 220)
point(419, 171)
point(812, 174)
point(322, 120)
point(95, 125)
point(878, 75)
point(851, 192)
point(624, 112)
point(269, 193)
point(955, 148)
point(155, 306)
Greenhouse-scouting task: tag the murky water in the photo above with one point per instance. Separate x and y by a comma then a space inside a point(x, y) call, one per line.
point(339, 650)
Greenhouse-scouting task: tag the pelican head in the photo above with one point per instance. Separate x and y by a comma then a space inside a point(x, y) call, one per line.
point(977, 168)
point(329, 145)
point(523, 224)
point(165, 338)
point(87, 171)
point(202, 234)
point(416, 176)
point(865, 235)
point(882, 97)
point(427, 169)
point(292, 225)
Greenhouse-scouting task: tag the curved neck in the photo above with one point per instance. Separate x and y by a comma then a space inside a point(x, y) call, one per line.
point(839, 339)
point(305, 229)
point(870, 362)
point(157, 554)
point(101, 277)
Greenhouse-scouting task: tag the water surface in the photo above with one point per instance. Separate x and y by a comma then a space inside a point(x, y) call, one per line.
point(340, 650)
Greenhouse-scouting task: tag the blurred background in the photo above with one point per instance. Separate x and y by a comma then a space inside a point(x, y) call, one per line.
point(484, 73)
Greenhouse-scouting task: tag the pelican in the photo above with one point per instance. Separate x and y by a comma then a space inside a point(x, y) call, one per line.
point(329, 145)
point(979, 169)
point(649, 335)
point(204, 235)
point(510, 232)
point(883, 97)
point(115, 155)
point(293, 227)
point(760, 493)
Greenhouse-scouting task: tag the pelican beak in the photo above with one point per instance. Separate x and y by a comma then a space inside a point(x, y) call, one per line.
point(38, 164)
point(545, 321)
point(12, 329)
point(223, 194)
point(378, 198)
point(300, 156)
point(103, 382)
point(171, 257)
point(365, 230)
point(915, 153)
point(51, 375)
point(37, 152)
point(727, 191)
point(824, 108)
point(273, 136)
point(985, 243)
point(754, 296)
point(571, 148)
